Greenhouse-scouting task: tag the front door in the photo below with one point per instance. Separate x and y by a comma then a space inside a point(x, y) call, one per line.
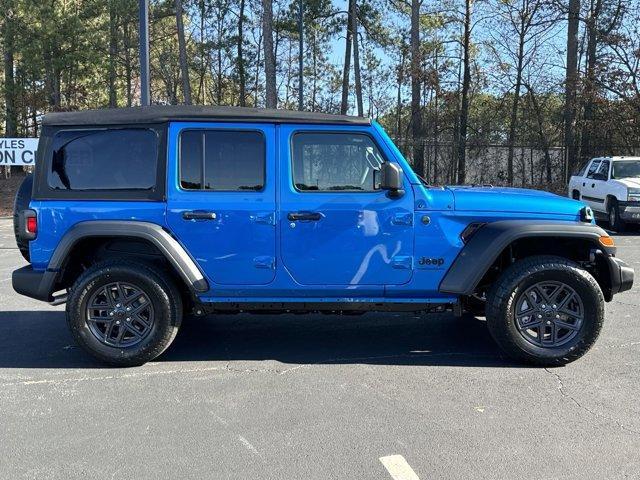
point(221, 203)
point(337, 227)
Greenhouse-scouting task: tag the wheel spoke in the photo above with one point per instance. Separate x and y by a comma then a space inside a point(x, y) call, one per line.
point(141, 320)
point(97, 319)
point(568, 326)
point(530, 326)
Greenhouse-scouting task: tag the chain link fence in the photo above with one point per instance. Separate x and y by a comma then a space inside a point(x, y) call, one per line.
point(487, 164)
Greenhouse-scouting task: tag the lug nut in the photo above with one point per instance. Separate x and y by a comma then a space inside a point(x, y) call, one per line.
point(544, 306)
point(548, 322)
point(128, 309)
point(539, 316)
point(111, 314)
point(117, 322)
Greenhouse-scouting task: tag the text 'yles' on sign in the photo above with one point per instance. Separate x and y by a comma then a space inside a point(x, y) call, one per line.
point(18, 151)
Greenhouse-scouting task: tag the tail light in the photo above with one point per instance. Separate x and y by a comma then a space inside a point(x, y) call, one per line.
point(32, 225)
point(28, 224)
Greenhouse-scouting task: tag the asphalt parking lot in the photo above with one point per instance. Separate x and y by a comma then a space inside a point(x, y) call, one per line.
point(315, 397)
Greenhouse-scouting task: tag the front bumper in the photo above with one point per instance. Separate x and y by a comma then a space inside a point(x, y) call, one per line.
point(630, 211)
point(620, 274)
point(32, 283)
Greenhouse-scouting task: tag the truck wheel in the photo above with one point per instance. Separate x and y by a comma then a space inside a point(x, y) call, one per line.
point(21, 202)
point(615, 222)
point(545, 310)
point(124, 313)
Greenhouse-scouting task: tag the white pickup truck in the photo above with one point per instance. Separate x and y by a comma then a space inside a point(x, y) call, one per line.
point(611, 187)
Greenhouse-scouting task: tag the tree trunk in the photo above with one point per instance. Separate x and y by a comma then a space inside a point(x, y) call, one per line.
point(113, 53)
point(416, 81)
point(241, 74)
point(544, 142)
point(11, 120)
point(590, 87)
point(128, 67)
point(182, 51)
point(346, 70)
point(356, 61)
point(571, 86)
point(399, 106)
point(466, 85)
point(271, 96)
point(436, 119)
point(513, 123)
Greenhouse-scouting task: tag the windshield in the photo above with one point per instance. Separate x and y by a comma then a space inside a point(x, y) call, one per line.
point(626, 169)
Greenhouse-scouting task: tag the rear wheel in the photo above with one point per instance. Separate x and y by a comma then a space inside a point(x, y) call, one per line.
point(615, 222)
point(124, 314)
point(545, 310)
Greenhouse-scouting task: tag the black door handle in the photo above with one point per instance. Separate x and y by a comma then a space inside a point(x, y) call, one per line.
point(301, 216)
point(199, 215)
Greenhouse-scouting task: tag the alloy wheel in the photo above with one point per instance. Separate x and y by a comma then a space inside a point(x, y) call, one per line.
point(120, 314)
point(549, 314)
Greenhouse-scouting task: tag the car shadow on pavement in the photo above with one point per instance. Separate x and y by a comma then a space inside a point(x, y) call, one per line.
point(41, 340)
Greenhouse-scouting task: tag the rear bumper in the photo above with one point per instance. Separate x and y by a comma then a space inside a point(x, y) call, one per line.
point(31, 283)
point(621, 275)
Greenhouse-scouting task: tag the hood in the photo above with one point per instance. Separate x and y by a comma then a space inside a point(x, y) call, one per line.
point(629, 182)
point(513, 200)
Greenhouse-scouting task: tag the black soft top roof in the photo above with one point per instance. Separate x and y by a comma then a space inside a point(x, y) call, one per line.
point(167, 113)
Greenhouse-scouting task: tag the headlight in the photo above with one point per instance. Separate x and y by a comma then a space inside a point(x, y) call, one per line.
point(634, 195)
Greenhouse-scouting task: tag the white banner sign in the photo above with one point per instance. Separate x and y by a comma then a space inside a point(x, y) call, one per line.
point(18, 151)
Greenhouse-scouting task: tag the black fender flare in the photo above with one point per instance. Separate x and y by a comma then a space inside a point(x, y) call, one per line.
point(484, 247)
point(170, 248)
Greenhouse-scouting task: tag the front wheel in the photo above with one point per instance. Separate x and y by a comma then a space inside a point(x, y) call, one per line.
point(545, 310)
point(615, 222)
point(124, 313)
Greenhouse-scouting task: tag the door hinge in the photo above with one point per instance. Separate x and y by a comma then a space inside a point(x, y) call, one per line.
point(402, 219)
point(402, 262)
point(266, 262)
point(264, 218)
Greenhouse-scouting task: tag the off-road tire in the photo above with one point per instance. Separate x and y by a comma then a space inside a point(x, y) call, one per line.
point(501, 303)
point(21, 202)
point(615, 222)
point(156, 284)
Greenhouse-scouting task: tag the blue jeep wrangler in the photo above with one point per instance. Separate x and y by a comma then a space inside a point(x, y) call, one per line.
point(137, 216)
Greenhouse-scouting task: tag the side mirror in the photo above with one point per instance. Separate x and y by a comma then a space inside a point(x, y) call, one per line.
point(391, 179)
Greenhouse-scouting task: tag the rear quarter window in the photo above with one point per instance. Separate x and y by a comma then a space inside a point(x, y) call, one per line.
point(104, 160)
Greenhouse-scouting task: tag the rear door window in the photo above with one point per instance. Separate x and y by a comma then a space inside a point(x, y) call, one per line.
point(89, 160)
point(222, 160)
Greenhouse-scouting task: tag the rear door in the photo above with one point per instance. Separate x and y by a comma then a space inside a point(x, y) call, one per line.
point(221, 199)
point(337, 227)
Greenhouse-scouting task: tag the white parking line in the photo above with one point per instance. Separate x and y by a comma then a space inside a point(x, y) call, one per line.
point(398, 468)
